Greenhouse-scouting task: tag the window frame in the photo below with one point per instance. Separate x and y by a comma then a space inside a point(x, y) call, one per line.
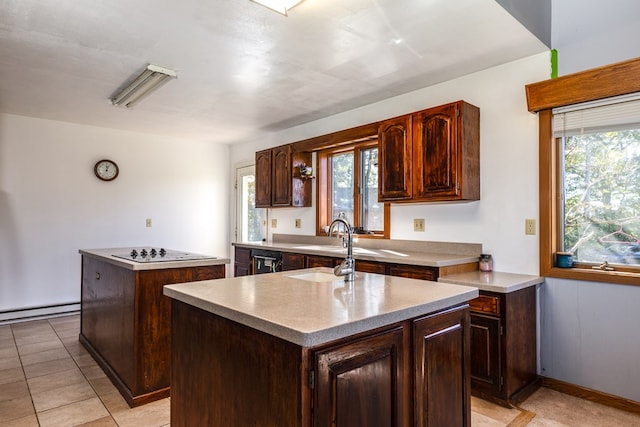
point(323, 194)
point(603, 82)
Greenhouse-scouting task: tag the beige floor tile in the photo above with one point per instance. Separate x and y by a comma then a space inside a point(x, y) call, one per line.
point(9, 362)
point(65, 322)
point(491, 410)
point(553, 408)
point(8, 352)
point(11, 375)
point(44, 356)
point(85, 361)
point(15, 390)
point(39, 347)
point(92, 372)
point(154, 414)
point(7, 342)
point(28, 421)
point(56, 380)
point(50, 367)
point(103, 386)
point(114, 402)
point(68, 334)
point(36, 338)
point(15, 408)
point(481, 420)
point(73, 414)
point(62, 396)
point(102, 422)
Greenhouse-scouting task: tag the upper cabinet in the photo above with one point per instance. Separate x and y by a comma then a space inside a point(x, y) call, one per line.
point(279, 182)
point(431, 155)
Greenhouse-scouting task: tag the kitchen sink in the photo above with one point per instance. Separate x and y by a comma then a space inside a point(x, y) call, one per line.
point(316, 276)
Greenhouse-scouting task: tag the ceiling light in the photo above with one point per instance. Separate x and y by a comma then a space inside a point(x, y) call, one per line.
point(280, 6)
point(150, 79)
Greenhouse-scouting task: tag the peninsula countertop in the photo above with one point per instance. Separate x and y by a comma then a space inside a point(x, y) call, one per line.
point(312, 306)
point(400, 252)
point(107, 255)
point(493, 281)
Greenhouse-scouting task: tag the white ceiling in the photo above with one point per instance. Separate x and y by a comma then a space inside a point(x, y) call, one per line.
point(242, 69)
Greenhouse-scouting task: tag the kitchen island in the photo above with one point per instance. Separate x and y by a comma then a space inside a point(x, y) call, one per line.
point(125, 318)
point(303, 348)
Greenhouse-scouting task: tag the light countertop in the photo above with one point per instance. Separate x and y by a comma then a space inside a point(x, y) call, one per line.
point(312, 306)
point(493, 281)
point(407, 254)
point(106, 255)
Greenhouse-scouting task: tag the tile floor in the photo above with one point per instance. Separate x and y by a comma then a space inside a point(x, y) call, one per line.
point(48, 379)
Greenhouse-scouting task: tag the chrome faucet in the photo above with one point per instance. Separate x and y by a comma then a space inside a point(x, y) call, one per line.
point(347, 267)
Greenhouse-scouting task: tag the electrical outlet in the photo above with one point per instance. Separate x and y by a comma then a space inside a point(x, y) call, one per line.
point(530, 226)
point(298, 223)
point(274, 223)
point(148, 222)
point(418, 224)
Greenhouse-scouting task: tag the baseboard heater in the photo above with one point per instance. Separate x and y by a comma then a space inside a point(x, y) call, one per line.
point(33, 313)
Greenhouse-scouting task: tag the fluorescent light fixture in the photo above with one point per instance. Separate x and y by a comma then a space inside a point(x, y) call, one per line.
point(280, 6)
point(150, 79)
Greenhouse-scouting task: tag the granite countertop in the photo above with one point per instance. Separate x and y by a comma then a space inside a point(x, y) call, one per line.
point(312, 306)
point(107, 255)
point(405, 255)
point(493, 281)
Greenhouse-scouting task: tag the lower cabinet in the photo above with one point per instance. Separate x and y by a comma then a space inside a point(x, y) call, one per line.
point(503, 346)
point(411, 373)
point(430, 354)
point(291, 261)
point(242, 262)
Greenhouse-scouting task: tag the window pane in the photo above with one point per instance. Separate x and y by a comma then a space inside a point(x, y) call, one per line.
point(372, 212)
point(342, 185)
point(252, 218)
point(601, 206)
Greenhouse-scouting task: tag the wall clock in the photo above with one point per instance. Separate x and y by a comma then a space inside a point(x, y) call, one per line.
point(106, 170)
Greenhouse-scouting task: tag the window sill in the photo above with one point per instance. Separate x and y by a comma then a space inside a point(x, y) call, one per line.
point(590, 275)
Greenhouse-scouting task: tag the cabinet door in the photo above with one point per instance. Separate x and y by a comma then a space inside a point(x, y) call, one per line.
point(371, 267)
point(485, 358)
point(263, 179)
point(435, 152)
point(292, 261)
point(242, 262)
point(361, 383)
point(322, 261)
point(441, 357)
point(394, 151)
point(281, 176)
point(413, 272)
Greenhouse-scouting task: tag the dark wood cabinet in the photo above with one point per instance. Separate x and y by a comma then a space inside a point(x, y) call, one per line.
point(292, 261)
point(370, 369)
point(413, 272)
point(242, 262)
point(279, 182)
point(411, 373)
point(125, 323)
point(371, 266)
point(395, 159)
point(442, 358)
point(503, 345)
point(440, 152)
point(322, 261)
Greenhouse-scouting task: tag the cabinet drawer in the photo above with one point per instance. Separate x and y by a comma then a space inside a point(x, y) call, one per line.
point(485, 304)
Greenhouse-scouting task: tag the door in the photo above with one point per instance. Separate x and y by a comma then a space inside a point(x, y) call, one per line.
point(251, 222)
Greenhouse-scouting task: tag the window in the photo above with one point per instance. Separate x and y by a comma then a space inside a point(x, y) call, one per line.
point(586, 86)
point(348, 182)
point(250, 221)
point(599, 181)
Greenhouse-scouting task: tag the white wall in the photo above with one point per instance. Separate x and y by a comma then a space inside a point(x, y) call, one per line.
point(589, 34)
point(508, 165)
point(589, 331)
point(51, 204)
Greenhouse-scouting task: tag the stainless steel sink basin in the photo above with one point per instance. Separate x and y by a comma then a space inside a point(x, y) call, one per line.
point(316, 276)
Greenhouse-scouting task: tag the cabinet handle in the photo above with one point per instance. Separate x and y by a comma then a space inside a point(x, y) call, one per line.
point(97, 276)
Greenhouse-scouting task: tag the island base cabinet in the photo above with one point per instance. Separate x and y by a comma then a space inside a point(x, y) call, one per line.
point(227, 374)
point(367, 370)
point(442, 360)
